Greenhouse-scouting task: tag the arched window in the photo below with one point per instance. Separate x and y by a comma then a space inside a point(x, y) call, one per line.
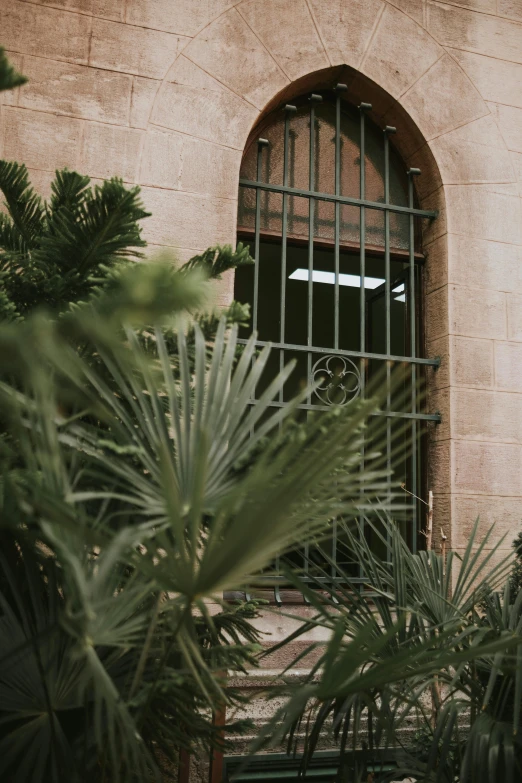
point(330, 213)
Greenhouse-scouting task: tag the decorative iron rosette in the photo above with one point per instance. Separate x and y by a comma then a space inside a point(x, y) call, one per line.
point(338, 378)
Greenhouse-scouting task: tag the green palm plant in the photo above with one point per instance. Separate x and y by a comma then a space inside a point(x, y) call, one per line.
point(424, 626)
point(138, 493)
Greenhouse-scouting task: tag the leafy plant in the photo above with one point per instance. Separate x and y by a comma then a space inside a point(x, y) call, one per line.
point(124, 514)
point(9, 77)
point(418, 628)
point(515, 577)
point(55, 253)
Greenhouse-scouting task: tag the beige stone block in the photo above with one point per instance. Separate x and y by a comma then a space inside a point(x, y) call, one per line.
point(475, 5)
point(516, 158)
point(47, 32)
point(508, 366)
point(510, 8)
point(437, 318)
point(487, 468)
point(514, 314)
point(110, 151)
point(464, 162)
point(484, 264)
point(509, 119)
point(143, 95)
point(41, 141)
point(472, 362)
point(414, 8)
point(504, 188)
point(185, 17)
point(487, 415)
point(498, 81)
point(123, 47)
point(186, 219)
point(463, 29)
point(443, 99)
point(83, 6)
point(209, 169)
point(504, 513)
point(109, 9)
point(346, 27)
point(477, 312)
point(477, 211)
point(436, 266)
point(192, 102)
point(296, 47)
point(439, 466)
point(76, 90)
point(228, 50)
point(484, 131)
point(400, 52)
point(162, 160)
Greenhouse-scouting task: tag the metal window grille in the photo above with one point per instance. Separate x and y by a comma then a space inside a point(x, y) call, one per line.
point(344, 263)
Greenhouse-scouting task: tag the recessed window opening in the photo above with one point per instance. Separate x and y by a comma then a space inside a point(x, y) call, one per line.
point(329, 210)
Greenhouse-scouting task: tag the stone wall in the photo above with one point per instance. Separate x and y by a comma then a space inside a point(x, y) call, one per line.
point(164, 93)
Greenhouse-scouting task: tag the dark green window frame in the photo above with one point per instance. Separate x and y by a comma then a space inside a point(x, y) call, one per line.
point(355, 363)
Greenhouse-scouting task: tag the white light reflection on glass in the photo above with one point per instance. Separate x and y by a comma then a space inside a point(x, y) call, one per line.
point(354, 281)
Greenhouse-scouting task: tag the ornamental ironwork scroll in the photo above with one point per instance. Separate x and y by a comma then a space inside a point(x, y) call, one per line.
point(337, 380)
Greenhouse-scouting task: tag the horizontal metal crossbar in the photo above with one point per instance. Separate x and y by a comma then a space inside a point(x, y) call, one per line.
point(355, 202)
point(435, 417)
point(352, 354)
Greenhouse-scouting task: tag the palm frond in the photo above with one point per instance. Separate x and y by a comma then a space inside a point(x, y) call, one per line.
point(220, 259)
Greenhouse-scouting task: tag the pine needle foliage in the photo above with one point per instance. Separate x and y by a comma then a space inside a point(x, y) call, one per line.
point(55, 253)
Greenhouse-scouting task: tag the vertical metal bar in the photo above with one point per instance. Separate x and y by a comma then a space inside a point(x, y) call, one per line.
point(340, 88)
point(311, 218)
point(260, 144)
point(363, 108)
point(387, 272)
point(413, 350)
point(289, 110)
point(387, 294)
point(292, 165)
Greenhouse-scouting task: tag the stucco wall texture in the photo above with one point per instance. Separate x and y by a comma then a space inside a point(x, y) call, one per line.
point(165, 92)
